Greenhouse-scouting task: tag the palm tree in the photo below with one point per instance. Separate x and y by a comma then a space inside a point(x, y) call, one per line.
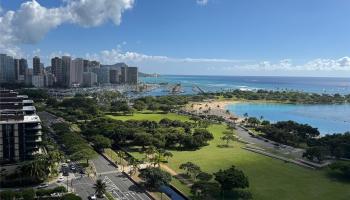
point(121, 154)
point(135, 166)
point(36, 168)
point(100, 188)
point(150, 152)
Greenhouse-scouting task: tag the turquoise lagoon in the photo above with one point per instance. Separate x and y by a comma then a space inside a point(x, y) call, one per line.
point(328, 119)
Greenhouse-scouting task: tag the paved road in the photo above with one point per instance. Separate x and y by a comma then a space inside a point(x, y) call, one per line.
point(83, 186)
point(117, 183)
point(286, 150)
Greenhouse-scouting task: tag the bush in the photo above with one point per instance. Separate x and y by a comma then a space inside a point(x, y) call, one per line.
point(59, 189)
point(48, 192)
point(71, 196)
point(28, 194)
point(7, 195)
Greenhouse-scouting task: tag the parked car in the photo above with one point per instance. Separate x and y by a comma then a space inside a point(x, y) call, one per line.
point(65, 171)
point(92, 197)
point(56, 194)
point(60, 179)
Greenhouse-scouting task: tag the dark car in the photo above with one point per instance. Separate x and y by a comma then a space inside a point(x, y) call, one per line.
point(65, 171)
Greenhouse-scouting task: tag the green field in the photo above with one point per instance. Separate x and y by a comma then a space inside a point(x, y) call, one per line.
point(149, 116)
point(269, 178)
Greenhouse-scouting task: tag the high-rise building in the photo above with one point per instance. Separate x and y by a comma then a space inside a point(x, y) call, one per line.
point(7, 69)
point(123, 74)
point(38, 81)
point(76, 72)
point(87, 66)
point(114, 76)
point(132, 75)
point(36, 66)
point(23, 66)
point(57, 70)
point(66, 64)
point(16, 66)
point(29, 75)
point(89, 79)
point(42, 68)
point(49, 79)
point(20, 128)
point(103, 75)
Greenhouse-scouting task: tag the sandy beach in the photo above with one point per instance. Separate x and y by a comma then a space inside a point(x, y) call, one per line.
point(213, 108)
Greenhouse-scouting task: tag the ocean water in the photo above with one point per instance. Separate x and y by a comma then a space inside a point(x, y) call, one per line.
point(328, 119)
point(219, 83)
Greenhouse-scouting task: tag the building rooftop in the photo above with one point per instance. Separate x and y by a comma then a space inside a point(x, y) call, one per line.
point(23, 119)
point(29, 108)
point(28, 101)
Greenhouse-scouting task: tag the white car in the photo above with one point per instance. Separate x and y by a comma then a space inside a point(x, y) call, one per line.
point(92, 197)
point(60, 179)
point(55, 195)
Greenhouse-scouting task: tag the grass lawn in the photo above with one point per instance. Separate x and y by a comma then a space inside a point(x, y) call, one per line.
point(149, 116)
point(269, 178)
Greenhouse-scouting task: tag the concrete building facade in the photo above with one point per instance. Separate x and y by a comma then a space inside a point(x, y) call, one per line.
point(20, 128)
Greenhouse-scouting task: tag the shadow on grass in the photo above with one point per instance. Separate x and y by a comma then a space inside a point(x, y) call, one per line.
point(224, 146)
point(337, 176)
point(184, 178)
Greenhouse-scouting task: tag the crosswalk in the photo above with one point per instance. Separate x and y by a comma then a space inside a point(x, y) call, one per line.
point(117, 193)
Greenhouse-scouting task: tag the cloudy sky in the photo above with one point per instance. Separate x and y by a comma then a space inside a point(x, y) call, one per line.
point(204, 37)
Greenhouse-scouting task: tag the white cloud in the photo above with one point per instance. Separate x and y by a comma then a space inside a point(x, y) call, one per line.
point(117, 55)
point(216, 64)
point(31, 22)
point(202, 2)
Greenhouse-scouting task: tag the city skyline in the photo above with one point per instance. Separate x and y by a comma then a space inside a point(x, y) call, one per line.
point(211, 37)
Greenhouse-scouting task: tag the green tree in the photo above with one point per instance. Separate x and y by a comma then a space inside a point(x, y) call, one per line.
point(168, 155)
point(203, 176)
point(317, 152)
point(84, 154)
point(155, 177)
point(253, 121)
point(191, 169)
point(100, 188)
point(203, 190)
point(231, 178)
point(7, 195)
point(121, 155)
point(139, 105)
point(153, 107)
point(28, 194)
point(228, 136)
point(101, 142)
point(36, 168)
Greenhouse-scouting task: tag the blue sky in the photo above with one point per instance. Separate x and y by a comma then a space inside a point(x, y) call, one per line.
point(219, 37)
